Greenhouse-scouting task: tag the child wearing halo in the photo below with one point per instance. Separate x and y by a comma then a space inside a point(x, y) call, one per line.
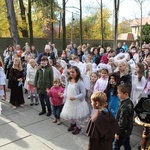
point(102, 82)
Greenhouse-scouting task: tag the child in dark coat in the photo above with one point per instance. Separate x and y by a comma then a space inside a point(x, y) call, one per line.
point(102, 125)
point(124, 117)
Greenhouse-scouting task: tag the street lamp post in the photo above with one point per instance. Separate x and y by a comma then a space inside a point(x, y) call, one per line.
point(141, 25)
point(72, 28)
point(81, 36)
point(52, 19)
point(64, 25)
point(102, 31)
point(81, 33)
point(30, 22)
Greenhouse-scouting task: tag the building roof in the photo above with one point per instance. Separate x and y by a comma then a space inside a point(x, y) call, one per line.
point(137, 22)
point(126, 36)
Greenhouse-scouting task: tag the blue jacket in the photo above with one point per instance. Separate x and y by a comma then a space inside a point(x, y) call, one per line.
point(41, 55)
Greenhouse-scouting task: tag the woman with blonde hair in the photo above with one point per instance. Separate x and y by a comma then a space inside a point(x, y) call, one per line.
point(15, 84)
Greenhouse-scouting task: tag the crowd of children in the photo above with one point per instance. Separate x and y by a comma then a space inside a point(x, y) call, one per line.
point(90, 84)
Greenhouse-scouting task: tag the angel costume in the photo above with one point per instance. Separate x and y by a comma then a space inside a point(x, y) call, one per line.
point(77, 109)
point(101, 85)
point(137, 88)
point(2, 82)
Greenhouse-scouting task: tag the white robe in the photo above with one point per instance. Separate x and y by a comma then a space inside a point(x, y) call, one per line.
point(137, 88)
point(2, 81)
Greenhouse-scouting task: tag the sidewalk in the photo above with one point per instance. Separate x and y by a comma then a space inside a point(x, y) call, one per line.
point(23, 129)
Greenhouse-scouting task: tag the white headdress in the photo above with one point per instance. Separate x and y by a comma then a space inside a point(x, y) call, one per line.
point(104, 66)
point(63, 63)
point(73, 63)
point(121, 57)
point(94, 67)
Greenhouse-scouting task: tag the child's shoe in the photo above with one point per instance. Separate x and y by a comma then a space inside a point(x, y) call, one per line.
point(71, 127)
point(42, 112)
point(36, 103)
point(49, 113)
point(31, 104)
point(76, 131)
point(58, 122)
point(55, 120)
point(14, 107)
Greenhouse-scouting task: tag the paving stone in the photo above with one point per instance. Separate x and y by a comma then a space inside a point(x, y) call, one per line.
point(11, 132)
point(23, 129)
point(69, 141)
point(25, 118)
point(4, 120)
point(29, 143)
point(46, 130)
point(7, 110)
point(134, 139)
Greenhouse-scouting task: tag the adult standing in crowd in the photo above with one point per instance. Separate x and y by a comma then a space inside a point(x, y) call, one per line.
point(119, 48)
point(43, 80)
point(8, 60)
point(72, 50)
point(88, 48)
point(45, 53)
point(105, 57)
point(55, 50)
point(18, 51)
point(26, 45)
point(125, 46)
point(34, 52)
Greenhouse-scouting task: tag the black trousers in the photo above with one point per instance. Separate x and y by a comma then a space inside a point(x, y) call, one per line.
point(44, 99)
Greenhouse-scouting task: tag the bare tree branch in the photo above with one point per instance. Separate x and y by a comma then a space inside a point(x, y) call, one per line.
point(66, 1)
point(98, 2)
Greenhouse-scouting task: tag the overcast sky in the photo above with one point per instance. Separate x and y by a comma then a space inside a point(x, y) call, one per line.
point(129, 9)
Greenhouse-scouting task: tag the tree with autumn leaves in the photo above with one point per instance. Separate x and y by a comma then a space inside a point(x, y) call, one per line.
point(46, 21)
point(91, 26)
point(16, 18)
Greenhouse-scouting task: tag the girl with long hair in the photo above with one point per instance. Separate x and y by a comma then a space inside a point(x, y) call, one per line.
point(15, 84)
point(75, 107)
point(138, 83)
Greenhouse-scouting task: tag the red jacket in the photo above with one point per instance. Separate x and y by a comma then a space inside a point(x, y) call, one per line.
point(104, 59)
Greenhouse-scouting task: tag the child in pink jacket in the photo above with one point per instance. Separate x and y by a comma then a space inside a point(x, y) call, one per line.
point(56, 94)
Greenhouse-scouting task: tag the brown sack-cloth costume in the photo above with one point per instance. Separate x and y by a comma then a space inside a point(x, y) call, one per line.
point(101, 130)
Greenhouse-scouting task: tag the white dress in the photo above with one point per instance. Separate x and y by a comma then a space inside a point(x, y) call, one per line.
point(2, 81)
point(76, 109)
point(101, 85)
point(137, 88)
